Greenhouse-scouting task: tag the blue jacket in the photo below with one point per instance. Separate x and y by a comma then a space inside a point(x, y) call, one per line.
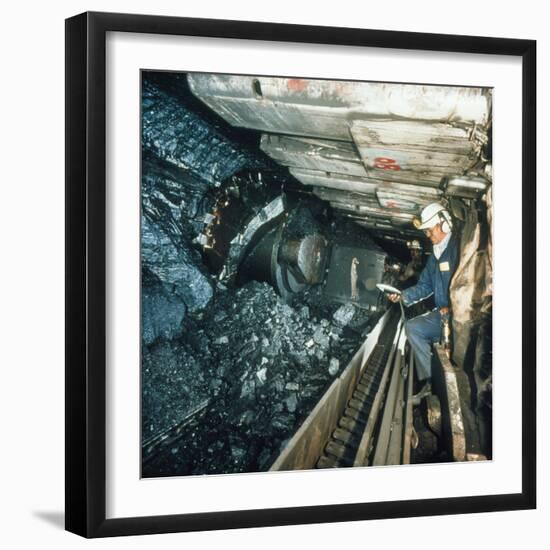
point(435, 278)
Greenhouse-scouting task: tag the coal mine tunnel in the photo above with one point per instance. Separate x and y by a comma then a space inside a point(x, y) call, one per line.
point(267, 224)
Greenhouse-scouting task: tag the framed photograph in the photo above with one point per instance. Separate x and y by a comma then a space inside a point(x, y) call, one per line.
point(300, 273)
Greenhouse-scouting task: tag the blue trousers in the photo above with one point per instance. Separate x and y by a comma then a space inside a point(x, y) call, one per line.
point(422, 332)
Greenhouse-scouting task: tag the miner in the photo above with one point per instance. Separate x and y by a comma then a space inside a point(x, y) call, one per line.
point(414, 267)
point(435, 278)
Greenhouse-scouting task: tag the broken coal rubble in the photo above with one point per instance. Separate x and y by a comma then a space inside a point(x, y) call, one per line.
point(263, 364)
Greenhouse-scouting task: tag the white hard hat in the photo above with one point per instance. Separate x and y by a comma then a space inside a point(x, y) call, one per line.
point(414, 245)
point(433, 214)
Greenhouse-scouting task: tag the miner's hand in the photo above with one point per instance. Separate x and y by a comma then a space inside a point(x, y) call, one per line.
point(394, 297)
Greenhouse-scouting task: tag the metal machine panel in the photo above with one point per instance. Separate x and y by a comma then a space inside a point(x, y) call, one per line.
point(315, 154)
point(341, 182)
point(411, 166)
point(381, 150)
point(368, 197)
point(418, 135)
point(372, 192)
point(377, 214)
point(465, 186)
point(324, 108)
point(400, 201)
point(416, 150)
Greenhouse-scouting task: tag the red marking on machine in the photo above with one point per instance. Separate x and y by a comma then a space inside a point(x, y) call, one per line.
point(297, 84)
point(385, 163)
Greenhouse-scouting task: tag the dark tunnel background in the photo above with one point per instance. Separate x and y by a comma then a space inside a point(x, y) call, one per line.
point(256, 361)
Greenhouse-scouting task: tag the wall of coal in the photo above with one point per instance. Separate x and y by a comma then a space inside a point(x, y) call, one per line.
point(186, 156)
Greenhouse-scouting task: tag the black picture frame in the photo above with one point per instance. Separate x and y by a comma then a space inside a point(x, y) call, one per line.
point(86, 269)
